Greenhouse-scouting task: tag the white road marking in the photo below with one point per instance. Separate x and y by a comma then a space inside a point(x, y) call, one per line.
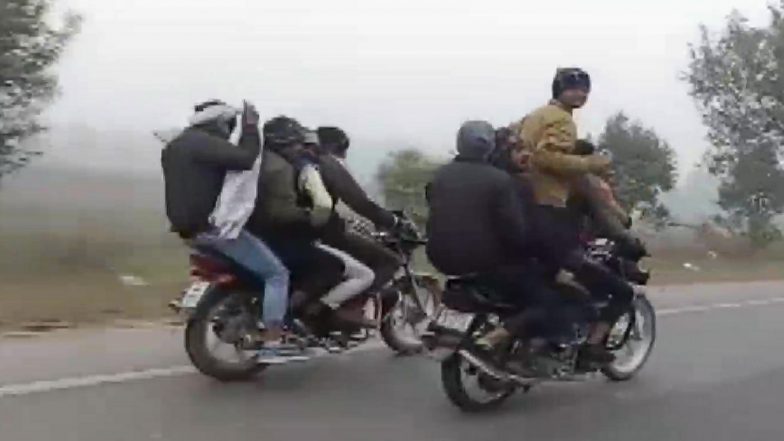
point(12, 390)
point(91, 380)
point(706, 308)
point(15, 390)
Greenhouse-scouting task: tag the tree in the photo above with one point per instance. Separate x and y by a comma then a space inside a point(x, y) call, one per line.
point(29, 46)
point(736, 81)
point(403, 177)
point(644, 165)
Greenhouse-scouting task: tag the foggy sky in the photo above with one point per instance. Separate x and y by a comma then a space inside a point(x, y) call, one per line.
point(393, 73)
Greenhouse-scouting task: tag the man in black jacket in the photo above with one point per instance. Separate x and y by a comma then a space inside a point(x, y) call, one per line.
point(280, 219)
point(477, 226)
point(195, 166)
point(334, 144)
point(196, 161)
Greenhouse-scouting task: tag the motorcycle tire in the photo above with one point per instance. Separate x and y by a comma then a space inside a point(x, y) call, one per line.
point(389, 325)
point(452, 381)
point(612, 372)
point(196, 344)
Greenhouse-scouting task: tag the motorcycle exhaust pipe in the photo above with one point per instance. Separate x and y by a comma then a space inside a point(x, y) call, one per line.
point(495, 373)
point(476, 362)
point(440, 342)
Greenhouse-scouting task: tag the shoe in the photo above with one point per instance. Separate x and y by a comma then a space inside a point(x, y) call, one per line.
point(354, 316)
point(487, 352)
point(280, 353)
point(595, 354)
point(331, 345)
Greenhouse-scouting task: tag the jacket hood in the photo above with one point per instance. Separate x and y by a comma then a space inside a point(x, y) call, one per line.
point(475, 140)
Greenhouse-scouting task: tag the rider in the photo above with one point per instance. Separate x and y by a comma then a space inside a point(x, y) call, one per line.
point(358, 277)
point(343, 187)
point(208, 204)
point(593, 201)
point(492, 238)
point(286, 224)
point(548, 138)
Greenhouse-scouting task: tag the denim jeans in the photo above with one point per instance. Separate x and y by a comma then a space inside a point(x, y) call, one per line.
point(254, 255)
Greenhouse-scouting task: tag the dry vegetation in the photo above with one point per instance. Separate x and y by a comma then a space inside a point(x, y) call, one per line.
point(66, 240)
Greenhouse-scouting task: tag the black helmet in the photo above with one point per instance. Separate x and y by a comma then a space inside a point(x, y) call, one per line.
point(503, 135)
point(333, 140)
point(570, 78)
point(283, 131)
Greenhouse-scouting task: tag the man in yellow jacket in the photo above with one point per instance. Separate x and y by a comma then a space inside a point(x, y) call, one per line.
point(546, 141)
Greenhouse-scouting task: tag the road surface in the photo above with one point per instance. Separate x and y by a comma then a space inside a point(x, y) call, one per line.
point(717, 373)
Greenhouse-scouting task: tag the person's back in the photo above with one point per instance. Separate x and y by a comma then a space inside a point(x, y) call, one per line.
point(476, 221)
point(195, 164)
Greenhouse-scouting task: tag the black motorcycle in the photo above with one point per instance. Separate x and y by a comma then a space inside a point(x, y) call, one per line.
point(468, 311)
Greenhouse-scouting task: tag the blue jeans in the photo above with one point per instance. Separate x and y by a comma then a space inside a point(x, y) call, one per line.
point(254, 255)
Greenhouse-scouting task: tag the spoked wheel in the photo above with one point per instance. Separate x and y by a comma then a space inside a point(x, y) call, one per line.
point(470, 389)
point(634, 337)
point(214, 335)
point(403, 326)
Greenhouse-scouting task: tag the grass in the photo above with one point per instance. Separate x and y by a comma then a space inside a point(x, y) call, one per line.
point(66, 239)
point(673, 272)
point(75, 278)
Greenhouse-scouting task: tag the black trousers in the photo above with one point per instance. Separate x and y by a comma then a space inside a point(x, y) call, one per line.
point(526, 286)
point(558, 243)
point(313, 270)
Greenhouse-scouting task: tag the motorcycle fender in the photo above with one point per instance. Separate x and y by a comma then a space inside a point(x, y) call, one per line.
point(192, 296)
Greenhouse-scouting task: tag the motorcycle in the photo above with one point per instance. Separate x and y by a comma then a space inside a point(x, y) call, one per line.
point(413, 296)
point(468, 310)
point(222, 303)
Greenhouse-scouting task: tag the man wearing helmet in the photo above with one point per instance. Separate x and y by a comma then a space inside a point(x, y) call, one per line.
point(546, 143)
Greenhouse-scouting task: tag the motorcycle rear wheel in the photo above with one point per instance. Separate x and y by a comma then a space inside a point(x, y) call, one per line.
point(453, 370)
point(202, 323)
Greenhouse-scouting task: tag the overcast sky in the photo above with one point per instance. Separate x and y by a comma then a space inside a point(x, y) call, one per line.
point(397, 72)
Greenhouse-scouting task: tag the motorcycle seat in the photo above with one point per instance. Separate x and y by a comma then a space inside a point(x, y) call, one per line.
point(468, 294)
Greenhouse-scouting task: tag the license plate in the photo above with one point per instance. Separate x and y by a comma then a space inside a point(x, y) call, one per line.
point(455, 320)
point(193, 294)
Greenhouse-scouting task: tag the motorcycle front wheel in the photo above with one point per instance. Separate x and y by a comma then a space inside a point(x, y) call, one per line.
point(403, 325)
point(636, 344)
point(218, 325)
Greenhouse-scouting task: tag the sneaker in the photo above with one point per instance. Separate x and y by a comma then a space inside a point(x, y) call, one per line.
point(487, 352)
point(281, 353)
point(271, 357)
point(354, 317)
point(331, 346)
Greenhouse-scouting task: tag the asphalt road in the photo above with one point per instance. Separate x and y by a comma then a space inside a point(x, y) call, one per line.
point(717, 373)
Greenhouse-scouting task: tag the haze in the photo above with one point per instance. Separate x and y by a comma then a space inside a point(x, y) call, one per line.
point(395, 74)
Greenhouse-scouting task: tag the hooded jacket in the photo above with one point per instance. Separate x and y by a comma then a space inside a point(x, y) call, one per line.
point(476, 220)
point(194, 167)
